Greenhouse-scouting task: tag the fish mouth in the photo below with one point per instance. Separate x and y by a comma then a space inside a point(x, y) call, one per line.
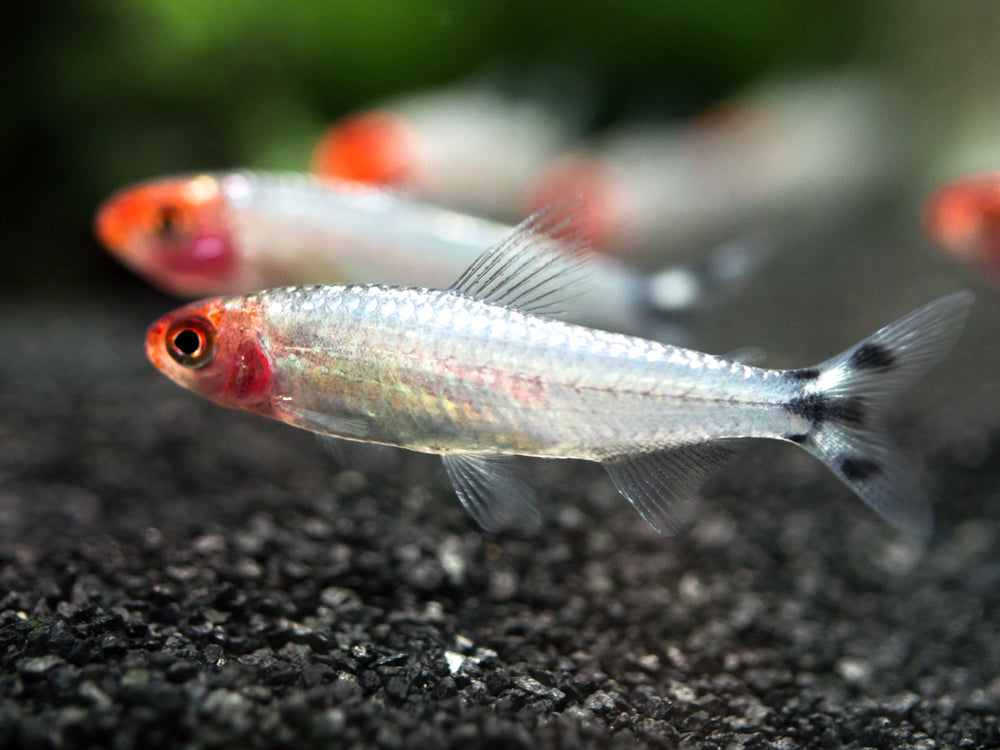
point(111, 225)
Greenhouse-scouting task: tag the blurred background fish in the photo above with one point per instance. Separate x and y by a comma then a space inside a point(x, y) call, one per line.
point(238, 232)
point(963, 217)
point(773, 160)
point(468, 147)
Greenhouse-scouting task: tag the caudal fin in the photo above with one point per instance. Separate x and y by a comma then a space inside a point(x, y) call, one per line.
point(845, 397)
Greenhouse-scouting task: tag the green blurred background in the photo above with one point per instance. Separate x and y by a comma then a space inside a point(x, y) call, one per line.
point(103, 93)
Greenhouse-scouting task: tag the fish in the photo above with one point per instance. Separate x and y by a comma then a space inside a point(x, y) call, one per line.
point(238, 232)
point(789, 152)
point(467, 147)
point(963, 217)
point(484, 371)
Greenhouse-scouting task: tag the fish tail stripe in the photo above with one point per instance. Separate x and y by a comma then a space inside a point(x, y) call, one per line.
point(845, 406)
point(818, 408)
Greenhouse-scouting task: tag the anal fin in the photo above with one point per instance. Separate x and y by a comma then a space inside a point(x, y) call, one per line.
point(491, 491)
point(662, 485)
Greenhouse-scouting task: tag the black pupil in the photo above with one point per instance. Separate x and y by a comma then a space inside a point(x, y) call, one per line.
point(187, 342)
point(167, 221)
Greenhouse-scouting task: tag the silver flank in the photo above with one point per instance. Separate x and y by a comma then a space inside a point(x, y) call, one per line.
point(439, 372)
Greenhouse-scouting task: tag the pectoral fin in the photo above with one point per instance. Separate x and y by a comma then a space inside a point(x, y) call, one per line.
point(350, 426)
point(357, 455)
point(491, 491)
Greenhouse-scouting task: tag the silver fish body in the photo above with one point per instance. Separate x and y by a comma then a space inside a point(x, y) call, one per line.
point(480, 372)
point(435, 371)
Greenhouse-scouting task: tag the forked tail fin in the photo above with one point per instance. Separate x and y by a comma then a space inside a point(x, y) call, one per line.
point(845, 398)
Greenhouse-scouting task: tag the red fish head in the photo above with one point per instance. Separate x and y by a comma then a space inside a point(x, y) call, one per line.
point(373, 148)
point(215, 349)
point(173, 232)
point(964, 218)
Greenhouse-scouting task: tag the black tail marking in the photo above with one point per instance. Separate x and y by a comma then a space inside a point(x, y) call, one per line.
point(872, 355)
point(805, 373)
point(859, 468)
point(819, 408)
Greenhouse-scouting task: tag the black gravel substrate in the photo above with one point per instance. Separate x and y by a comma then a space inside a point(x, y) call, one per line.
point(174, 574)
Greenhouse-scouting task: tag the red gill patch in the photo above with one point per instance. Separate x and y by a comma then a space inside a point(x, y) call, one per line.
point(250, 376)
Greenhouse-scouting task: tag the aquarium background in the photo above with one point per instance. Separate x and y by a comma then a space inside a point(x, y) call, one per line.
point(101, 94)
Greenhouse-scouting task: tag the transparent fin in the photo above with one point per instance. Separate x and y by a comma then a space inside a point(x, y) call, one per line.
point(852, 391)
point(869, 463)
point(370, 457)
point(491, 491)
point(894, 356)
point(334, 425)
point(538, 267)
point(661, 486)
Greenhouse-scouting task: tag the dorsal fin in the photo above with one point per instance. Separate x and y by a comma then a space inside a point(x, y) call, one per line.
point(538, 267)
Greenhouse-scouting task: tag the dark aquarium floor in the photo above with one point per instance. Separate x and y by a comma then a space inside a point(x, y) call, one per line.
point(173, 574)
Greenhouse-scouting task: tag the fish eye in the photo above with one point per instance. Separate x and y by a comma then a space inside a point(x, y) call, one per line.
point(191, 342)
point(168, 222)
